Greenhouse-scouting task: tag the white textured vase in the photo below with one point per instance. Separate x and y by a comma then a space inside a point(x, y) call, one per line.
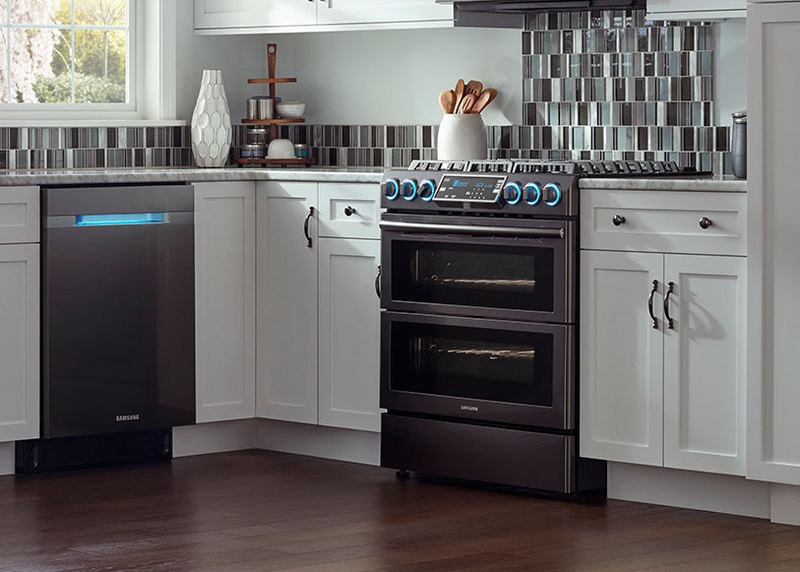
point(211, 122)
point(461, 136)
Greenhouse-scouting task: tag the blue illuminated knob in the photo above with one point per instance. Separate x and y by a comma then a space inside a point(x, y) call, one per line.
point(408, 188)
point(512, 193)
point(552, 194)
point(533, 193)
point(426, 190)
point(391, 189)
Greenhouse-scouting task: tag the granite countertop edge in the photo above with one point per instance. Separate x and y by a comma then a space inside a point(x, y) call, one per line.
point(191, 175)
point(724, 183)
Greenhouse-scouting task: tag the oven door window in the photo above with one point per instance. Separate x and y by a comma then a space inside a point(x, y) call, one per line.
point(474, 363)
point(478, 275)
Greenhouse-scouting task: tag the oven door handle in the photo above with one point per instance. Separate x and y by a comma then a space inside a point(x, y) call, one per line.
point(476, 230)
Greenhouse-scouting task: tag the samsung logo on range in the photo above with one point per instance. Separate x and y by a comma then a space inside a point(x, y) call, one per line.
point(134, 417)
point(469, 408)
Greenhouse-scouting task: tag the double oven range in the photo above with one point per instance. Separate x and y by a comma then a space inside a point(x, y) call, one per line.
point(479, 324)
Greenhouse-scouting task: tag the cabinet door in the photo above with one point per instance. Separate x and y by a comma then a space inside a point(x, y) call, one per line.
point(620, 357)
point(220, 14)
point(370, 11)
point(688, 9)
point(773, 206)
point(704, 364)
point(286, 301)
point(225, 282)
point(349, 334)
point(19, 342)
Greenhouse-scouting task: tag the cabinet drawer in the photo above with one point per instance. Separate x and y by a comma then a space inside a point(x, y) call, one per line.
point(668, 221)
point(361, 222)
point(19, 214)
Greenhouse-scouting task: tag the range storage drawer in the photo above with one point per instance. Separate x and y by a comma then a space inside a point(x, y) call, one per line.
point(684, 222)
point(19, 215)
point(349, 210)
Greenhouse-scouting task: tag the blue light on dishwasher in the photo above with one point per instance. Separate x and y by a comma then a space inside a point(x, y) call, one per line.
point(119, 219)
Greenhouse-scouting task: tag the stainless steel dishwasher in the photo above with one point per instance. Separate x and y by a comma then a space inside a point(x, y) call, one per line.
point(118, 309)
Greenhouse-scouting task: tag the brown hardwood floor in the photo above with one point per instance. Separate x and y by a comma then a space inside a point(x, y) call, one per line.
point(258, 510)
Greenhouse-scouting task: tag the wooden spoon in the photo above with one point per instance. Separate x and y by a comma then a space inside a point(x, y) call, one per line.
point(483, 100)
point(467, 103)
point(474, 87)
point(459, 94)
point(447, 100)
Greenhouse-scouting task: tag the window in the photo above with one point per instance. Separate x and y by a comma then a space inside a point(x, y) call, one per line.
point(75, 60)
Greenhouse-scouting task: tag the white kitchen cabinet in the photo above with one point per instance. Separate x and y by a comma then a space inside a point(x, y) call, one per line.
point(225, 300)
point(286, 321)
point(349, 333)
point(694, 9)
point(774, 258)
point(663, 396)
point(19, 341)
point(317, 309)
point(260, 16)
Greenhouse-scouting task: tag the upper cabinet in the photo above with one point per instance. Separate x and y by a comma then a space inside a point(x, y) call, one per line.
point(259, 16)
point(694, 9)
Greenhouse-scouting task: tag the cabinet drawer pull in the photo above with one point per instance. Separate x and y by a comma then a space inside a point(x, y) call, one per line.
point(618, 220)
point(705, 222)
point(670, 290)
point(378, 282)
point(305, 226)
point(349, 211)
point(650, 304)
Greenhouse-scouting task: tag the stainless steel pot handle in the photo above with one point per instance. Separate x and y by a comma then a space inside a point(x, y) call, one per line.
point(305, 226)
point(475, 230)
point(378, 282)
point(670, 321)
point(650, 304)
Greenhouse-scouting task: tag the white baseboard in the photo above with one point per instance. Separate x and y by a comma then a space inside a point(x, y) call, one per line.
point(689, 489)
point(219, 437)
point(786, 504)
point(326, 442)
point(7, 458)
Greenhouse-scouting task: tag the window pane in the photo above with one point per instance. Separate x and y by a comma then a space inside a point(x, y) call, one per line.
point(3, 12)
point(101, 12)
point(32, 52)
point(100, 66)
point(41, 12)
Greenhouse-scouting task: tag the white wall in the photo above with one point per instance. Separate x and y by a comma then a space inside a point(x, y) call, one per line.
point(730, 91)
point(395, 77)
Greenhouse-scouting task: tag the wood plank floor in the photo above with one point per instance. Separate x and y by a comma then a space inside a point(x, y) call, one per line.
point(258, 510)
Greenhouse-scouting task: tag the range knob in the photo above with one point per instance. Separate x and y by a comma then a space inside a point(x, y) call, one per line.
point(426, 190)
point(391, 189)
point(552, 194)
point(408, 188)
point(512, 193)
point(533, 193)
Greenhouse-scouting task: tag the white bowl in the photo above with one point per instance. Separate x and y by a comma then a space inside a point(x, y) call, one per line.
point(280, 149)
point(290, 109)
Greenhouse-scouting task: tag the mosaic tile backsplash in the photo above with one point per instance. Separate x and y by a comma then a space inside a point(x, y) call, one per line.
point(595, 85)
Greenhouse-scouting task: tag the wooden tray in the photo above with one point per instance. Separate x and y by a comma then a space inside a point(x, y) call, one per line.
point(284, 162)
point(272, 80)
point(274, 121)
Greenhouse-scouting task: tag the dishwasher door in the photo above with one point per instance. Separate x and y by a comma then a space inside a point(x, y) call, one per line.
point(118, 343)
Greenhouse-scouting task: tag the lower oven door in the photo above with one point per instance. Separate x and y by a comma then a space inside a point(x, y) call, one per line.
point(491, 267)
point(483, 370)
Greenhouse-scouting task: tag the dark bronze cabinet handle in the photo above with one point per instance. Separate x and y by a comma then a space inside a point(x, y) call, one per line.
point(305, 226)
point(705, 222)
point(349, 211)
point(618, 220)
point(378, 282)
point(670, 290)
point(650, 304)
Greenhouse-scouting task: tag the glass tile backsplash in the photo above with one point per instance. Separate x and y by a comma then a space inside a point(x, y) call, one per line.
point(595, 85)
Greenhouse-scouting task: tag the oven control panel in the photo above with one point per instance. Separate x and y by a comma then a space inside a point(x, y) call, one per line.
point(469, 188)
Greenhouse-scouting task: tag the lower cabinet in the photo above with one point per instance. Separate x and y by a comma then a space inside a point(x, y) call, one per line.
point(317, 310)
point(225, 242)
point(19, 341)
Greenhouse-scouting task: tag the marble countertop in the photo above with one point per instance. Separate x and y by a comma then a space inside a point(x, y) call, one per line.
point(189, 174)
point(722, 183)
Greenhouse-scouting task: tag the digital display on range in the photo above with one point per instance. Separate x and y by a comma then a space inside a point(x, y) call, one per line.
point(469, 188)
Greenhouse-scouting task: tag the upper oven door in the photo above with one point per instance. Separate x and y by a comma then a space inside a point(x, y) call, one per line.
point(479, 266)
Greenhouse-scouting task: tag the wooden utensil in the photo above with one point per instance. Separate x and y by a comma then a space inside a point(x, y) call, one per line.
point(484, 99)
point(447, 100)
point(467, 103)
point(474, 87)
point(459, 91)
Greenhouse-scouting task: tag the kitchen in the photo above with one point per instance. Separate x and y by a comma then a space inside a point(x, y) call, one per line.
point(338, 94)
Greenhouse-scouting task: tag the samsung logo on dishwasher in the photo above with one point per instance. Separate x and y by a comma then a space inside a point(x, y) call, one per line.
point(469, 408)
point(122, 418)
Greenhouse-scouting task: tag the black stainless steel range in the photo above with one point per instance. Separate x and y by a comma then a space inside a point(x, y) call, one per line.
point(479, 320)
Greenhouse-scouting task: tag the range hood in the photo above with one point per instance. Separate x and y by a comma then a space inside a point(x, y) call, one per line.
point(523, 7)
